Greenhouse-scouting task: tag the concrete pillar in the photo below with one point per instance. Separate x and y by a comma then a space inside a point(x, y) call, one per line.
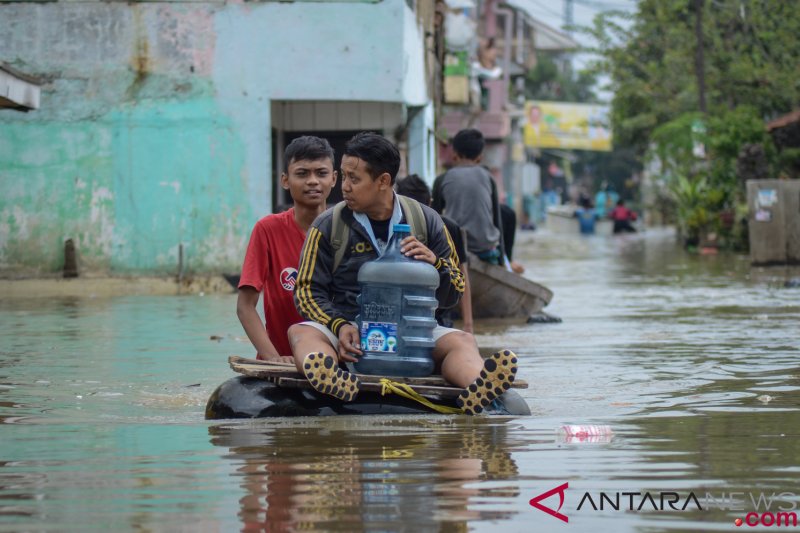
point(422, 144)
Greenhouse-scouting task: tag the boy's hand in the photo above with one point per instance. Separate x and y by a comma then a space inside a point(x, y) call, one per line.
point(349, 343)
point(411, 247)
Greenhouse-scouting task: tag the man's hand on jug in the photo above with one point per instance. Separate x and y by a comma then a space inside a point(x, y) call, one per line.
point(411, 247)
point(349, 343)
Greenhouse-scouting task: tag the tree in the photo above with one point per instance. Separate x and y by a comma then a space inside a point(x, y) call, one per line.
point(553, 80)
point(750, 59)
point(749, 75)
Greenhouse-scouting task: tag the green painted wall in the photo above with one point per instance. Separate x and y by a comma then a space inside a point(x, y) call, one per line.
point(130, 154)
point(129, 187)
point(177, 177)
point(154, 127)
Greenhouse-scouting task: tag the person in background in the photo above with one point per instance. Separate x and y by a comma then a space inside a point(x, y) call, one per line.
point(586, 215)
point(270, 264)
point(474, 202)
point(605, 199)
point(415, 187)
point(509, 220)
point(622, 217)
point(466, 194)
point(486, 69)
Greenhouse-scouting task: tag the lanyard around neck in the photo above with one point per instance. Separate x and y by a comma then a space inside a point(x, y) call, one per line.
point(363, 219)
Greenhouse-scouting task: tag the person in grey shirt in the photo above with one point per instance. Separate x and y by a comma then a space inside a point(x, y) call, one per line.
point(466, 193)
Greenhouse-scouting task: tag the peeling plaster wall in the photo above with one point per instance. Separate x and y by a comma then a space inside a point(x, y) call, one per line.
point(154, 128)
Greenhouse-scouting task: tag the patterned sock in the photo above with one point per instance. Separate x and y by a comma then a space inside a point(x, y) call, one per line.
point(496, 377)
point(325, 376)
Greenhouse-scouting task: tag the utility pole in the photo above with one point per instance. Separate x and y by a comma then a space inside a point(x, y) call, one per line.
point(569, 20)
point(569, 15)
point(699, 59)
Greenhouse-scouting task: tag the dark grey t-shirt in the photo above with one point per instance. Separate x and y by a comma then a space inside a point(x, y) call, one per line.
point(466, 193)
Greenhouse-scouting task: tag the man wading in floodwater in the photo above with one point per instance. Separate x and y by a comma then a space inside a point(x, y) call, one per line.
point(327, 298)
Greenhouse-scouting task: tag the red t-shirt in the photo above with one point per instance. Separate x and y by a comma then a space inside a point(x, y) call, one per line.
point(271, 264)
point(621, 212)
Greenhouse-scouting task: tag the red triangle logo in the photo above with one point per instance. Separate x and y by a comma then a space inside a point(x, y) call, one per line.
point(543, 496)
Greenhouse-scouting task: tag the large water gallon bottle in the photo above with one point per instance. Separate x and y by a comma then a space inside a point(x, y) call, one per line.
point(397, 307)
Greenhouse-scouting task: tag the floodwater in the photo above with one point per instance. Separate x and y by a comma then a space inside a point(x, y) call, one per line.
point(694, 362)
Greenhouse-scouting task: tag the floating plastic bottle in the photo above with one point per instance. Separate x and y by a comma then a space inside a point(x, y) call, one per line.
point(397, 307)
point(585, 433)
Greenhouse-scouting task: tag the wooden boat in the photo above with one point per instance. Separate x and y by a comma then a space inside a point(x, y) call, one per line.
point(498, 293)
point(267, 389)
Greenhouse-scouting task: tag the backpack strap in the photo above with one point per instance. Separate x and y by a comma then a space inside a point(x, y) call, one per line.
point(340, 231)
point(415, 217)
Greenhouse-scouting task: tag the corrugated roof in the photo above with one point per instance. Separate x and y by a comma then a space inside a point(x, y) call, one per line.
point(785, 120)
point(545, 37)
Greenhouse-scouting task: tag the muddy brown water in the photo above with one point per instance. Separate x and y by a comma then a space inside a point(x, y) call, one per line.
point(694, 362)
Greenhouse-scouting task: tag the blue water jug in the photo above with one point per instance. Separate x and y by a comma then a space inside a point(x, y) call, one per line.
point(397, 307)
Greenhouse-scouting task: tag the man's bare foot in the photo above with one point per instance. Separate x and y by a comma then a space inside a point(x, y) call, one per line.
point(516, 267)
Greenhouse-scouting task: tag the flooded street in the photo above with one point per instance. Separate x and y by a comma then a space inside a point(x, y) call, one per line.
point(694, 361)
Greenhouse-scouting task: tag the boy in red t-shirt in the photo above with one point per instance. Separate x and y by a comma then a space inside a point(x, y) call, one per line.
point(274, 250)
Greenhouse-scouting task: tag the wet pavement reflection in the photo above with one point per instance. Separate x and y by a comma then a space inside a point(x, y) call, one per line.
point(692, 360)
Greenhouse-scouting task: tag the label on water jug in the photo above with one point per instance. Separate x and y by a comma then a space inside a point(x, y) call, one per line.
point(379, 337)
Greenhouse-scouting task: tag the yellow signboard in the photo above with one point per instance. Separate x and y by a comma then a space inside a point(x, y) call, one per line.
point(567, 126)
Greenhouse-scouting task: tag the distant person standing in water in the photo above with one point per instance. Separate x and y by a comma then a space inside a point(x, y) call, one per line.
point(622, 217)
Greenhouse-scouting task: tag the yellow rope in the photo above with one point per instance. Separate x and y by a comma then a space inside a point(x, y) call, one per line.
point(404, 390)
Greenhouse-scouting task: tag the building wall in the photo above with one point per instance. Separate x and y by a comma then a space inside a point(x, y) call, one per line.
point(154, 127)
